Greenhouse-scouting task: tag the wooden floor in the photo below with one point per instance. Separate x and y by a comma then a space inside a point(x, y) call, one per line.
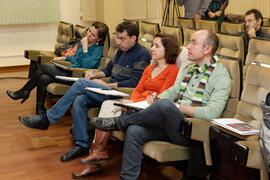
point(28, 154)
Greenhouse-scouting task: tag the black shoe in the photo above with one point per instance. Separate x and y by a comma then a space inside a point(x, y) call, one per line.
point(36, 122)
point(104, 124)
point(75, 152)
point(18, 95)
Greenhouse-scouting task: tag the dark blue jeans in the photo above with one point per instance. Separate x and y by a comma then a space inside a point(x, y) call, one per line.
point(161, 121)
point(81, 100)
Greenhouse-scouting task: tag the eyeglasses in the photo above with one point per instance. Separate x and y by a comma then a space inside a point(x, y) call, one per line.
point(249, 21)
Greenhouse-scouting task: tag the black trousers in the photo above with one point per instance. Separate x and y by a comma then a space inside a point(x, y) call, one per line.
point(42, 77)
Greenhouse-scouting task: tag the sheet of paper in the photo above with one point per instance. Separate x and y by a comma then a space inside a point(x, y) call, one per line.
point(142, 105)
point(107, 92)
point(65, 78)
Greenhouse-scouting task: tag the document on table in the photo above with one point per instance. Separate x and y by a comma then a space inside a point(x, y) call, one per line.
point(236, 126)
point(108, 92)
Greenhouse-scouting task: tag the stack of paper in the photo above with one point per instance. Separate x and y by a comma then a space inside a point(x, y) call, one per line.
point(236, 126)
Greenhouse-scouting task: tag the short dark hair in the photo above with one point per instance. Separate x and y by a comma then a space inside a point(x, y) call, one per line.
point(257, 14)
point(171, 46)
point(102, 30)
point(131, 29)
point(212, 39)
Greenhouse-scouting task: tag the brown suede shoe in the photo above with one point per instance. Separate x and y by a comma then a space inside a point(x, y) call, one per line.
point(87, 171)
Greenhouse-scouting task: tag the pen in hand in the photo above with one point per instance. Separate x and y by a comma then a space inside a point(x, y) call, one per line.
point(152, 98)
point(90, 75)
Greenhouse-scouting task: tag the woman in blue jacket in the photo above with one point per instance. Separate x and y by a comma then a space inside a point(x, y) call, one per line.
point(88, 55)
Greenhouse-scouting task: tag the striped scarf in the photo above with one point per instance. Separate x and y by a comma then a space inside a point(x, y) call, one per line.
point(207, 69)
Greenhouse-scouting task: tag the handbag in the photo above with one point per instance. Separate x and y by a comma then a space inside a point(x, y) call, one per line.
point(68, 48)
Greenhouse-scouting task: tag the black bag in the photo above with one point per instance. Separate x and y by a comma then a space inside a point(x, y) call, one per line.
point(65, 46)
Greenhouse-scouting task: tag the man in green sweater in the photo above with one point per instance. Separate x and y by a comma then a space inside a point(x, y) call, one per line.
point(201, 92)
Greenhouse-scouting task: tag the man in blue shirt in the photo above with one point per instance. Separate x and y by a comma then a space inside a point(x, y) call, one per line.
point(125, 70)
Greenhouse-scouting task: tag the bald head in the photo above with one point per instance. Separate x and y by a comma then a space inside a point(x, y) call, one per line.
point(209, 38)
point(203, 45)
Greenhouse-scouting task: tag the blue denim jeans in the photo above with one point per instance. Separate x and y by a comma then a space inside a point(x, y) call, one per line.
point(81, 100)
point(161, 121)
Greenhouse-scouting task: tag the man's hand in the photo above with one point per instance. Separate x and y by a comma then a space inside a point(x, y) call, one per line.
point(99, 81)
point(90, 75)
point(197, 17)
point(187, 110)
point(59, 58)
point(211, 14)
point(251, 32)
point(152, 98)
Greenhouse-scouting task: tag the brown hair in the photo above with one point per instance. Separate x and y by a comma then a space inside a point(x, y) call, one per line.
point(257, 14)
point(102, 30)
point(171, 46)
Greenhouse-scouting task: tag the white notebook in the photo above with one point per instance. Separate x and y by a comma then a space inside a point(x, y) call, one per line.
point(60, 66)
point(236, 126)
point(65, 78)
point(107, 92)
point(138, 105)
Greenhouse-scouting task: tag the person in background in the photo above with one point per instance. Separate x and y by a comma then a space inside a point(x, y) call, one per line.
point(253, 27)
point(216, 10)
point(125, 70)
point(201, 92)
point(156, 78)
point(88, 59)
point(194, 9)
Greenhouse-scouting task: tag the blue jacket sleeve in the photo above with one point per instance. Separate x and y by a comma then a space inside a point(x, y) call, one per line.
point(108, 69)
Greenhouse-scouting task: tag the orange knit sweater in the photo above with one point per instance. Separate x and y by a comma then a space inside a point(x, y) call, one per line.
point(161, 82)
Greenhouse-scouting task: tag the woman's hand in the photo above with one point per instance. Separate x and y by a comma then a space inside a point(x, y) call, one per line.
point(211, 14)
point(218, 13)
point(152, 98)
point(59, 58)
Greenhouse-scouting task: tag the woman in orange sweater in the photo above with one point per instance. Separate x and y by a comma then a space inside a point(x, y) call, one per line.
point(156, 78)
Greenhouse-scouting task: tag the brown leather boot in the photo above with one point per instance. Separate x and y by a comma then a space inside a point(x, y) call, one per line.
point(98, 152)
point(87, 170)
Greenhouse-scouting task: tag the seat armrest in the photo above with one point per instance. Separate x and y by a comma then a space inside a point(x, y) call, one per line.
point(254, 158)
point(78, 72)
point(46, 56)
point(199, 131)
point(32, 54)
point(254, 153)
